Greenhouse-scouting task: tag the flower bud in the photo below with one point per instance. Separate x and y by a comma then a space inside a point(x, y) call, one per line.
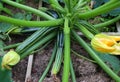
point(9, 59)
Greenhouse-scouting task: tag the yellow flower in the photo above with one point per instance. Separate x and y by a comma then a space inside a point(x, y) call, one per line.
point(106, 44)
point(116, 38)
point(117, 49)
point(10, 59)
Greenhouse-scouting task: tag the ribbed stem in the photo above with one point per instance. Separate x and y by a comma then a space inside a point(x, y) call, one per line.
point(38, 44)
point(56, 5)
point(66, 69)
point(19, 22)
point(87, 33)
point(67, 5)
point(111, 21)
point(100, 10)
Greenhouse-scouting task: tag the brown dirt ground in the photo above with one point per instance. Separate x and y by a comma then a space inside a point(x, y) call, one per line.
point(85, 71)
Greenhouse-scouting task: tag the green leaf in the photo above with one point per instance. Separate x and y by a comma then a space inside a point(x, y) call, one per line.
point(25, 16)
point(115, 12)
point(5, 75)
point(3, 37)
point(28, 16)
point(99, 2)
point(1, 44)
point(19, 16)
point(112, 61)
point(4, 27)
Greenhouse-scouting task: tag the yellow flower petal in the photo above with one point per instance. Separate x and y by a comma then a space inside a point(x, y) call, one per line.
point(105, 39)
point(11, 58)
point(106, 44)
point(117, 49)
point(116, 38)
point(100, 46)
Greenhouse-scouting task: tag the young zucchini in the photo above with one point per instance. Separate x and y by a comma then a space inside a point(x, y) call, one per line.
point(59, 54)
point(30, 41)
point(38, 44)
point(39, 38)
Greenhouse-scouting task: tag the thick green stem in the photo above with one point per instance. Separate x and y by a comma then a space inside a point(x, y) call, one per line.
point(29, 9)
point(87, 33)
point(57, 6)
point(111, 21)
point(95, 57)
point(67, 6)
point(66, 69)
point(100, 10)
point(49, 65)
point(79, 4)
point(19, 22)
point(38, 44)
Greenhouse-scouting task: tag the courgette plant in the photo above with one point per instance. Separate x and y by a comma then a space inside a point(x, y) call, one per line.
point(73, 16)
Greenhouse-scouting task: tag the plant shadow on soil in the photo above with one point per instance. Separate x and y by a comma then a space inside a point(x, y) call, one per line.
point(85, 71)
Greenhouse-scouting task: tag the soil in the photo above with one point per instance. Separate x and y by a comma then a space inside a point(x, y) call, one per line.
point(85, 71)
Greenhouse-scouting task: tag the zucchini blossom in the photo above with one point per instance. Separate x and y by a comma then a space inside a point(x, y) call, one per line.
point(9, 59)
point(106, 43)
